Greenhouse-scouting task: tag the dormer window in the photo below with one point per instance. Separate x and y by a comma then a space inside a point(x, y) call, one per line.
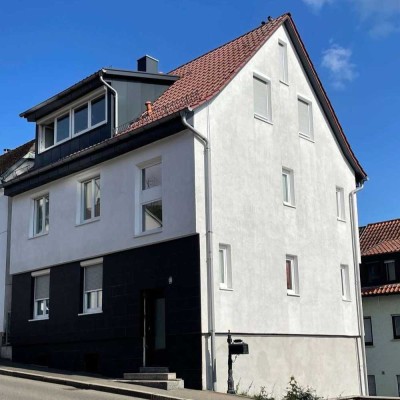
point(78, 118)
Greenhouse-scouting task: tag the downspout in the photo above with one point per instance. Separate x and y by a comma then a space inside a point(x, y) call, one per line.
point(209, 240)
point(116, 97)
point(356, 261)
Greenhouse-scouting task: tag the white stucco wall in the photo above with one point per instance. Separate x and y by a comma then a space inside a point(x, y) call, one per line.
point(3, 254)
point(248, 214)
point(383, 357)
point(115, 230)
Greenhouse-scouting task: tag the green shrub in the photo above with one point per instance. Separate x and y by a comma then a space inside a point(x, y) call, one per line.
point(296, 392)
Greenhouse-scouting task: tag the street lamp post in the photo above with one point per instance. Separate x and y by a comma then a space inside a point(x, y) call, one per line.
point(231, 383)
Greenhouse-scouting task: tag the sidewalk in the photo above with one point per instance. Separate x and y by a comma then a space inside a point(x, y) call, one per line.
point(94, 382)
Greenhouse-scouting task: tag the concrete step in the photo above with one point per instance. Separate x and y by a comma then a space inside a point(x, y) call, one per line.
point(155, 376)
point(153, 370)
point(159, 384)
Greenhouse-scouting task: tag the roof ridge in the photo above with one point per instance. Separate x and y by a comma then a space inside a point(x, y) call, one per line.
point(283, 16)
point(382, 222)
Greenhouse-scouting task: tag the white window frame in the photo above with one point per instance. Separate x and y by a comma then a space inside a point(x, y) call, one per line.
point(99, 292)
point(148, 196)
point(283, 62)
point(226, 282)
point(36, 301)
point(82, 183)
point(294, 274)
point(340, 204)
point(387, 263)
point(35, 202)
point(345, 282)
point(310, 134)
point(289, 188)
point(268, 116)
point(69, 110)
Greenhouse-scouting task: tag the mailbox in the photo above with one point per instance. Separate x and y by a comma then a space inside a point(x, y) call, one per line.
point(238, 347)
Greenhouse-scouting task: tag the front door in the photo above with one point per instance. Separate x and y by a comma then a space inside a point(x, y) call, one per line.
point(154, 339)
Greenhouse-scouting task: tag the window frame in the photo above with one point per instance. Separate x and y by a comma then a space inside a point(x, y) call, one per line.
point(294, 275)
point(82, 183)
point(147, 196)
point(289, 188)
point(345, 282)
point(267, 81)
point(369, 343)
point(310, 135)
point(99, 292)
point(36, 316)
point(44, 230)
point(70, 111)
point(227, 283)
point(283, 62)
point(394, 317)
point(340, 204)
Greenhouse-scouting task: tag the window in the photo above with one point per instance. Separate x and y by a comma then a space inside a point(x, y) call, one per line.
point(41, 294)
point(371, 385)
point(225, 267)
point(305, 118)
point(151, 218)
point(396, 326)
point(90, 202)
point(283, 61)
point(374, 273)
point(398, 384)
point(92, 285)
point(345, 280)
point(262, 98)
point(292, 276)
point(340, 204)
point(74, 120)
point(390, 270)
point(41, 215)
point(369, 340)
point(288, 186)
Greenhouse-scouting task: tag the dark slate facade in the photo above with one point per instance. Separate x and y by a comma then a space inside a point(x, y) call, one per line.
point(111, 342)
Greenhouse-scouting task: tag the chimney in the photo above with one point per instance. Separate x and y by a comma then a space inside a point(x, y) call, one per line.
point(147, 64)
point(149, 107)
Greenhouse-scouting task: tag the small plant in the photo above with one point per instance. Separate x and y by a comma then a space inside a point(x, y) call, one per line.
point(244, 392)
point(296, 392)
point(263, 395)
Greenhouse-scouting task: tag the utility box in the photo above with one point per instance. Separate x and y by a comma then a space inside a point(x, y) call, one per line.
point(238, 347)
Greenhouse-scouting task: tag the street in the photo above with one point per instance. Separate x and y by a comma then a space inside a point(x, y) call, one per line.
point(24, 389)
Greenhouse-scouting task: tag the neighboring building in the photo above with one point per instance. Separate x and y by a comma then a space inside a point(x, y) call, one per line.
point(146, 243)
point(380, 280)
point(13, 163)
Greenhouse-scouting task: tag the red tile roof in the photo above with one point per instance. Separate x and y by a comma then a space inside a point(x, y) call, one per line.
point(380, 238)
point(389, 288)
point(8, 159)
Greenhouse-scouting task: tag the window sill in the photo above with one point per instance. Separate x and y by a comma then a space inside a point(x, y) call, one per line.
point(289, 205)
point(293, 294)
point(346, 300)
point(306, 137)
point(283, 82)
point(38, 319)
point(264, 119)
point(38, 235)
point(152, 232)
point(226, 289)
point(341, 220)
point(91, 313)
point(89, 221)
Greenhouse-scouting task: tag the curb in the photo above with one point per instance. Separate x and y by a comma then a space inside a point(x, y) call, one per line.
point(92, 386)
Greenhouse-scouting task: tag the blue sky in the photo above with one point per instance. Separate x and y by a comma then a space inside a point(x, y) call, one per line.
point(49, 45)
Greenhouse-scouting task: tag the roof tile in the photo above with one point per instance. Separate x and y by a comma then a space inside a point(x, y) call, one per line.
point(390, 288)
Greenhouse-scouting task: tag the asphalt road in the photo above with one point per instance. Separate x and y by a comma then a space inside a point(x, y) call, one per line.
point(24, 389)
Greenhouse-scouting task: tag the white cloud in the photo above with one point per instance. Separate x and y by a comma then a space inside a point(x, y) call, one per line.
point(337, 60)
point(381, 16)
point(316, 5)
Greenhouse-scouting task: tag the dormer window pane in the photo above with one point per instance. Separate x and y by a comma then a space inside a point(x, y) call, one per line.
point(62, 128)
point(98, 110)
point(48, 135)
point(81, 119)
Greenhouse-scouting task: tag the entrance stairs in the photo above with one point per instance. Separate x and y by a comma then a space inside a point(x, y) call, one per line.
point(156, 377)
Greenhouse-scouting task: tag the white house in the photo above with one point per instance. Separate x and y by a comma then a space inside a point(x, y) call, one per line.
point(224, 199)
point(12, 163)
point(380, 279)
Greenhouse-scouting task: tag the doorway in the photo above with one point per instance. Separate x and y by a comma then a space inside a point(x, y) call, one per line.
point(154, 338)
